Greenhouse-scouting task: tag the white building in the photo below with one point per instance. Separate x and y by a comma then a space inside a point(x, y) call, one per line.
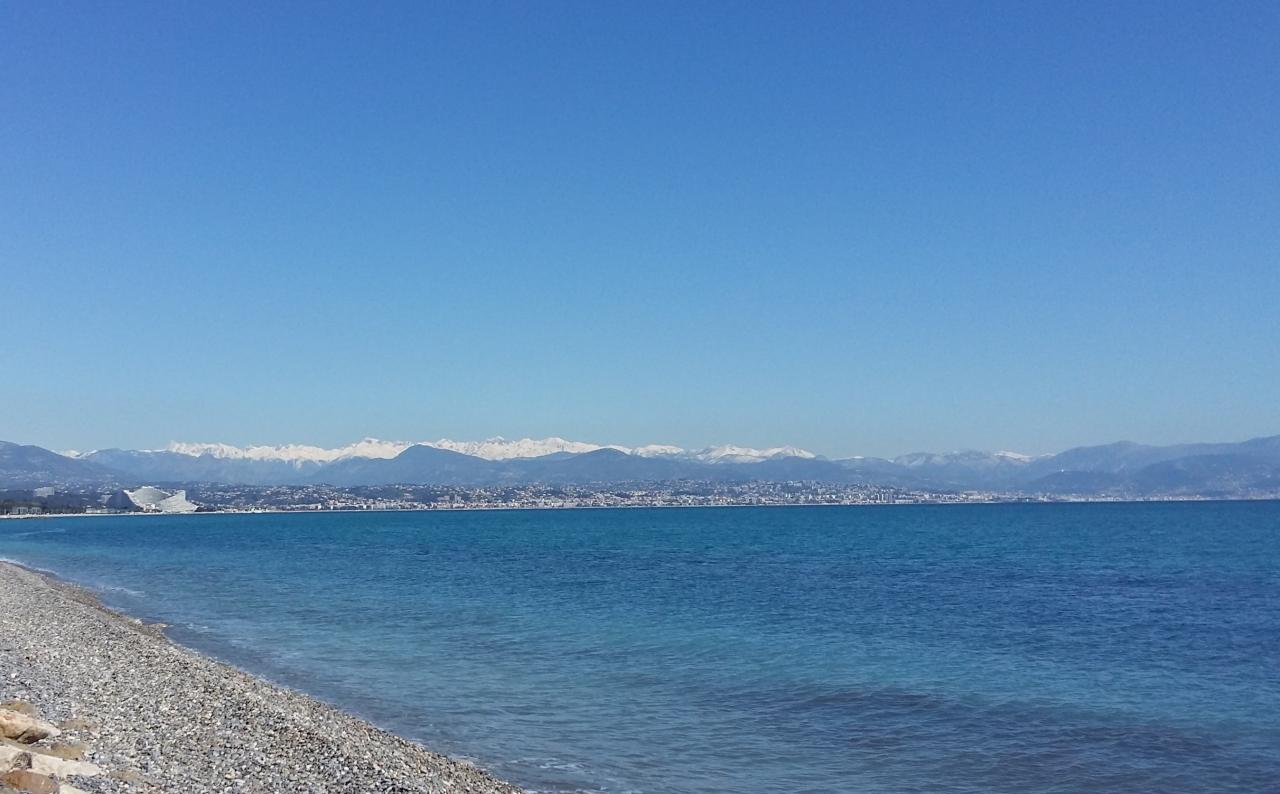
point(152, 500)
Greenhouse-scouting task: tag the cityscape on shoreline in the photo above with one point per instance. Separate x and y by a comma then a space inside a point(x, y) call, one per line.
point(556, 473)
point(205, 499)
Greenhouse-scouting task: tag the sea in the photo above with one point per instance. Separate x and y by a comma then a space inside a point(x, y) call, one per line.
point(953, 648)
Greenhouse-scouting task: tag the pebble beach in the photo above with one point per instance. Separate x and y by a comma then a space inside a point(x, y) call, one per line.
point(95, 701)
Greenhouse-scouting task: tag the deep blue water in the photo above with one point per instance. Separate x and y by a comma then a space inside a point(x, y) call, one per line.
point(1002, 648)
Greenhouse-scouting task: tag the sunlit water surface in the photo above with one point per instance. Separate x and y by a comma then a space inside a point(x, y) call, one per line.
point(1037, 648)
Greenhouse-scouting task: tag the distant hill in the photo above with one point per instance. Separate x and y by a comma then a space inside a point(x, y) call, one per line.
point(1248, 468)
point(26, 466)
point(1126, 468)
point(959, 470)
point(1120, 469)
point(1076, 482)
point(162, 466)
point(419, 465)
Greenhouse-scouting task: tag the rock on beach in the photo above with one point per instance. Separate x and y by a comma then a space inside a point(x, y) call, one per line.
point(23, 727)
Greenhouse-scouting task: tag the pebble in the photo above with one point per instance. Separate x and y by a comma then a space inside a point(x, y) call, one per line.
point(127, 696)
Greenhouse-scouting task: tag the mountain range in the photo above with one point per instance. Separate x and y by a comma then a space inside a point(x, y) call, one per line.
point(1124, 468)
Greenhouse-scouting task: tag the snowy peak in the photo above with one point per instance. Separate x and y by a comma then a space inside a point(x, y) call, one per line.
point(496, 448)
point(499, 448)
point(372, 448)
point(658, 451)
point(729, 453)
point(295, 454)
point(967, 457)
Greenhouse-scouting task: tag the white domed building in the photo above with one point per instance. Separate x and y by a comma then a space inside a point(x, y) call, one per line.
point(149, 499)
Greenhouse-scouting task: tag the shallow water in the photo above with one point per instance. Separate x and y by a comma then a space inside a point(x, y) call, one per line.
point(1018, 648)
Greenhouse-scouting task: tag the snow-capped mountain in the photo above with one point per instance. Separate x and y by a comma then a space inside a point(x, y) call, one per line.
point(968, 457)
point(496, 448)
point(727, 453)
point(499, 448)
point(658, 451)
point(1124, 468)
point(296, 454)
point(733, 454)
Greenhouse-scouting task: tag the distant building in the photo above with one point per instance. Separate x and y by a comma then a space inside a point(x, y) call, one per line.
point(45, 492)
point(152, 500)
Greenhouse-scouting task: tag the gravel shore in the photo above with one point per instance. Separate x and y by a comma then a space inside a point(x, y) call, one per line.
point(154, 716)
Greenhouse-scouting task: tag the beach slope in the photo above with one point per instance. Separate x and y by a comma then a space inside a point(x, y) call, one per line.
point(143, 714)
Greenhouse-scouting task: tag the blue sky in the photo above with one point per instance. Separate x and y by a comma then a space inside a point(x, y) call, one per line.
point(862, 228)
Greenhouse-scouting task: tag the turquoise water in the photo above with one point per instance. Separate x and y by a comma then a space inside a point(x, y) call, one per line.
point(1001, 648)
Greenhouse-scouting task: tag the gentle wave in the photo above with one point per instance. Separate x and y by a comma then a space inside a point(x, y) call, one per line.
point(37, 532)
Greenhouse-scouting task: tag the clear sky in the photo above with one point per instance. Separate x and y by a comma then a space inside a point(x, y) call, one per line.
point(862, 228)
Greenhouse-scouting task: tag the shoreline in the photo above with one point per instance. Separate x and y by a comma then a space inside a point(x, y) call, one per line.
point(495, 508)
point(156, 716)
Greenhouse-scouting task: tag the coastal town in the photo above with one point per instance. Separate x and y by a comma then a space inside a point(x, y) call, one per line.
point(222, 498)
point(659, 494)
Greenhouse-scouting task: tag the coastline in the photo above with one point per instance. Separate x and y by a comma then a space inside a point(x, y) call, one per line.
point(155, 716)
point(539, 508)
